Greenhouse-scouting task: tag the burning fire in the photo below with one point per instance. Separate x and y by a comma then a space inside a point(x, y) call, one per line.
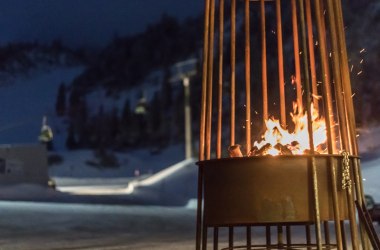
point(279, 141)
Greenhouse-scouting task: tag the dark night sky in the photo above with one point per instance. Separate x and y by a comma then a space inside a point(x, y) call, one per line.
point(84, 22)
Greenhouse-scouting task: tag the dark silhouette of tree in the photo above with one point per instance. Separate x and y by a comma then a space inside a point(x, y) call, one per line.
point(71, 142)
point(114, 128)
point(155, 114)
point(60, 105)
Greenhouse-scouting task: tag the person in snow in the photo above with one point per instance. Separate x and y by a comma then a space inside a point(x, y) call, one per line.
point(46, 134)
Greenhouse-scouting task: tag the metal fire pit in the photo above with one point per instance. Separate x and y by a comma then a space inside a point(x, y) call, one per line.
point(267, 189)
point(301, 56)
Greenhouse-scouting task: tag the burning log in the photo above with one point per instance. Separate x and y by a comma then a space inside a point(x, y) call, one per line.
point(294, 146)
point(263, 150)
point(308, 152)
point(235, 151)
point(284, 150)
point(253, 151)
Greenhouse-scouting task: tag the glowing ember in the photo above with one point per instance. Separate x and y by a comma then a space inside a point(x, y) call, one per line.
point(279, 141)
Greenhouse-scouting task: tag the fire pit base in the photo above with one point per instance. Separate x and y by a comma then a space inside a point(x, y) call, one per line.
point(269, 190)
point(282, 246)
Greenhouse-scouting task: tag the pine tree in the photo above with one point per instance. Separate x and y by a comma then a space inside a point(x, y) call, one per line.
point(167, 90)
point(126, 114)
point(114, 127)
point(70, 140)
point(60, 105)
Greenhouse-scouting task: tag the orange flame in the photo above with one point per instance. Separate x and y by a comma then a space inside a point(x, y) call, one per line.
point(297, 141)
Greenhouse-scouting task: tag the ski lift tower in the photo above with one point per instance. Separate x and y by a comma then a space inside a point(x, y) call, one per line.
point(182, 71)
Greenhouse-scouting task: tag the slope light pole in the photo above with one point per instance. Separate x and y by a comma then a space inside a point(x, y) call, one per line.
point(183, 71)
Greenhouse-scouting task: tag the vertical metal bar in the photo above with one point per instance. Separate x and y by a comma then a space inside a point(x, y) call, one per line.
point(231, 237)
point(337, 78)
point(350, 110)
point(327, 79)
point(344, 240)
point(220, 85)
point(336, 209)
point(310, 128)
point(297, 64)
point(247, 78)
point(352, 216)
point(199, 208)
point(346, 75)
point(311, 55)
point(279, 236)
point(360, 184)
point(264, 77)
point(204, 82)
point(268, 235)
point(308, 235)
point(331, 145)
point(326, 83)
point(288, 236)
point(281, 79)
point(210, 80)
point(359, 197)
point(341, 99)
point(349, 106)
point(216, 238)
point(187, 113)
point(249, 235)
point(202, 125)
point(233, 70)
point(204, 237)
point(327, 232)
point(306, 74)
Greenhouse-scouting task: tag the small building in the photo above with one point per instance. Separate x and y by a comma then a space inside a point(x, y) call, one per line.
point(23, 163)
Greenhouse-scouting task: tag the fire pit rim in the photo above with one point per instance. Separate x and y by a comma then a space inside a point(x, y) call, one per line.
point(249, 158)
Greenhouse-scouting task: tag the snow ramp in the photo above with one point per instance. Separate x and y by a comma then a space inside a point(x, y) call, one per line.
point(172, 186)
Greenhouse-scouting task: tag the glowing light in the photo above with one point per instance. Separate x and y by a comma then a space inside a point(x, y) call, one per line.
point(275, 138)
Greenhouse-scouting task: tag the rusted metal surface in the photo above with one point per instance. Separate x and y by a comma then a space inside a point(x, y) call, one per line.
point(342, 114)
point(264, 70)
point(263, 194)
point(312, 163)
point(310, 39)
point(346, 76)
point(326, 82)
point(247, 77)
point(202, 127)
point(220, 81)
point(297, 63)
point(280, 54)
point(210, 80)
point(233, 72)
